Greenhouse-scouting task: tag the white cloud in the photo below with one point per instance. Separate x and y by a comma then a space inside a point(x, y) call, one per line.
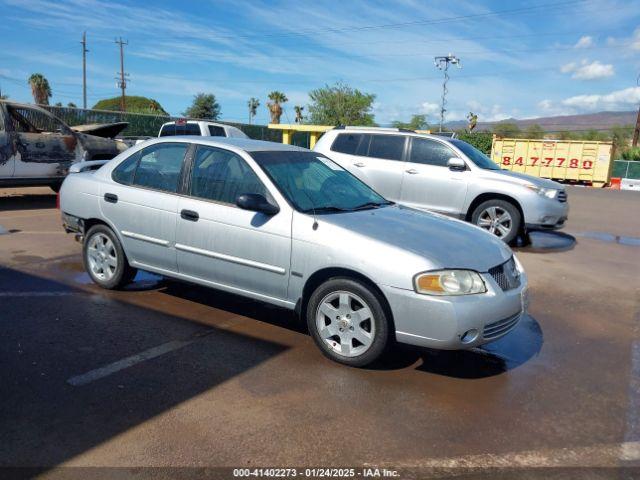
point(584, 42)
point(625, 99)
point(429, 108)
point(617, 100)
point(588, 71)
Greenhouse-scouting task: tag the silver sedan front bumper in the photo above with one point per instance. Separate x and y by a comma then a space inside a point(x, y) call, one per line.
point(457, 322)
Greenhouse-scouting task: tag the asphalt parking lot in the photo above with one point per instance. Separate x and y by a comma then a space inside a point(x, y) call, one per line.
point(167, 374)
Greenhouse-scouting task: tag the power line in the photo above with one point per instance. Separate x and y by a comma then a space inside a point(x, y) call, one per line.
point(551, 5)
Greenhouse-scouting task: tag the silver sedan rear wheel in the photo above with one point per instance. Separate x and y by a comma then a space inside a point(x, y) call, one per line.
point(496, 220)
point(102, 256)
point(345, 323)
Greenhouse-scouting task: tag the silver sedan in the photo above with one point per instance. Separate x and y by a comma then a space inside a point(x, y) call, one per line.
point(290, 227)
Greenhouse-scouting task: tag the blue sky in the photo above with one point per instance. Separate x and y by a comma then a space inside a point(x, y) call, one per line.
point(556, 58)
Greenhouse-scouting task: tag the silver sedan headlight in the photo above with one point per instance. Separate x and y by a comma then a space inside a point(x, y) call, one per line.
point(544, 192)
point(449, 282)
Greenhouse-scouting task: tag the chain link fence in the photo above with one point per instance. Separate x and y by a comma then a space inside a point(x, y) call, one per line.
point(626, 169)
point(148, 125)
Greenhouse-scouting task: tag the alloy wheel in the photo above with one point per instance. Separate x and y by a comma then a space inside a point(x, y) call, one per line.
point(102, 256)
point(496, 220)
point(345, 323)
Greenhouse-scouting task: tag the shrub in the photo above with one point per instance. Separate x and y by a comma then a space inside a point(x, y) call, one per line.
point(631, 153)
point(481, 140)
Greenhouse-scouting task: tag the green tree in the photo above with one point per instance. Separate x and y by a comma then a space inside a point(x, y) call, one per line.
point(506, 129)
point(473, 121)
point(72, 105)
point(40, 88)
point(253, 105)
point(299, 117)
point(593, 135)
point(417, 122)
point(204, 106)
point(58, 104)
point(275, 105)
point(534, 131)
point(565, 135)
point(341, 105)
point(481, 140)
point(4, 96)
point(621, 135)
point(134, 104)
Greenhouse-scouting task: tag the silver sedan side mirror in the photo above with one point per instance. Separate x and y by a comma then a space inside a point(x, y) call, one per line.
point(456, 164)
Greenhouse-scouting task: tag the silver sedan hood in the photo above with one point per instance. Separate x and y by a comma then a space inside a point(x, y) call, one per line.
point(443, 241)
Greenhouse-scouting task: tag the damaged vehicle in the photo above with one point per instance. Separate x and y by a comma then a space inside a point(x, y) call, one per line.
point(37, 149)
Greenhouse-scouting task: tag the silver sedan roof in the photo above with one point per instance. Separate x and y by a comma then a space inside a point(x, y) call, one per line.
point(246, 144)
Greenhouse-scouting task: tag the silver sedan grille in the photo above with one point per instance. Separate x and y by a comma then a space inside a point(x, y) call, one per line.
point(506, 275)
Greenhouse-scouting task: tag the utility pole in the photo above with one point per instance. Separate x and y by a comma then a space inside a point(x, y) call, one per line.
point(84, 69)
point(122, 82)
point(636, 132)
point(442, 63)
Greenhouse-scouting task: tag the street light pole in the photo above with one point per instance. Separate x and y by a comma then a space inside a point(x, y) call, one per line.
point(442, 63)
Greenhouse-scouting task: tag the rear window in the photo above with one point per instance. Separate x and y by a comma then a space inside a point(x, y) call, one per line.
point(351, 143)
point(389, 147)
point(173, 129)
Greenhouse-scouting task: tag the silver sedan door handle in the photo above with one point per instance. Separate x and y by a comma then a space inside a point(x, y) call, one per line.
point(359, 164)
point(412, 171)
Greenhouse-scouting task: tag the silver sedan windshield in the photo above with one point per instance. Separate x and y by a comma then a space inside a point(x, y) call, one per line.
point(312, 182)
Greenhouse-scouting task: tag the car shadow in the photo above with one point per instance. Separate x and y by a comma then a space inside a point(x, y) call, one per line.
point(26, 201)
point(507, 353)
point(546, 242)
point(53, 333)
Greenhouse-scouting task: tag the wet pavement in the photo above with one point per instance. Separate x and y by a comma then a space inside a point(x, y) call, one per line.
point(170, 374)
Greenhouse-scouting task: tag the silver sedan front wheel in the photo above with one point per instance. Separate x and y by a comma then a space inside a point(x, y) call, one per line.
point(345, 323)
point(102, 257)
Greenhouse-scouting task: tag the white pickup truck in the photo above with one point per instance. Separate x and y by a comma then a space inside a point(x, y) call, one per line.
point(200, 128)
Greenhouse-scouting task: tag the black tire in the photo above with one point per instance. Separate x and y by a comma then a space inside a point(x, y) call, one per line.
point(515, 223)
point(123, 273)
point(378, 318)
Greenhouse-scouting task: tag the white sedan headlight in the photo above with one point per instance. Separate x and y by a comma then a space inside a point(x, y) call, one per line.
point(544, 192)
point(449, 282)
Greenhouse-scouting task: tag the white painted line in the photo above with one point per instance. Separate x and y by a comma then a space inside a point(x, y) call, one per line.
point(605, 455)
point(3, 230)
point(154, 352)
point(38, 294)
point(114, 367)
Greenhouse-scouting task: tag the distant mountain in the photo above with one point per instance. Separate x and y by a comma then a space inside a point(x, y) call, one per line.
point(587, 121)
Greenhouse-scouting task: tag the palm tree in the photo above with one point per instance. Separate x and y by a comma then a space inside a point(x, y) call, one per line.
point(299, 117)
point(40, 88)
point(274, 106)
point(253, 105)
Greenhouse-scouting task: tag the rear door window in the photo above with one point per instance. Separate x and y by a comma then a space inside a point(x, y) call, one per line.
point(124, 172)
point(430, 152)
point(160, 166)
point(389, 147)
